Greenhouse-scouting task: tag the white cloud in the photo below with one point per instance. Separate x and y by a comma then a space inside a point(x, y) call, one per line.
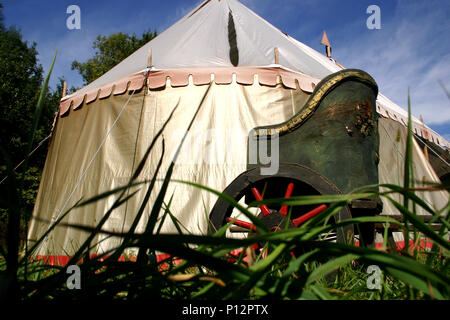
point(409, 51)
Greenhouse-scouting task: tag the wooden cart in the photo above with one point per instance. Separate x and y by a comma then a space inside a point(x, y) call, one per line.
point(329, 147)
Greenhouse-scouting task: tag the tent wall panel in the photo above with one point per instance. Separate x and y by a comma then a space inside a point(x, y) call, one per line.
point(213, 154)
point(393, 137)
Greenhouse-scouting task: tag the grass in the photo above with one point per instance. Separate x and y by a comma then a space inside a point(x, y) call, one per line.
point(206, 272)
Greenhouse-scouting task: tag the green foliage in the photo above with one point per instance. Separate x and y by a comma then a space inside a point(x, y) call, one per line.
point(20, 89)
point(1, 17)
point(110, 51)
point(22, 78)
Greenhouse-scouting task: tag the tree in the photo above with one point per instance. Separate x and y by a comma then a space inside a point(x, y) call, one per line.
point(1, 17)
point(109, 52)
point(21, 80)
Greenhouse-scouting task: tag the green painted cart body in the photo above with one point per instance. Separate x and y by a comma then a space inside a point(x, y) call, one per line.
point(330, 146)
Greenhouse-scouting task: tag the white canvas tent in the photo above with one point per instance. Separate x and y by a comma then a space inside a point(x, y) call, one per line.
point(239, 72)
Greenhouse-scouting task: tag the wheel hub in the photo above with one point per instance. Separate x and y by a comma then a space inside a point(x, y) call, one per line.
point(276, 221)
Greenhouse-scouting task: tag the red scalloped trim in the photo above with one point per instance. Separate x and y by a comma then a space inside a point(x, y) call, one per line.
point(267, 76)
point(180, 78)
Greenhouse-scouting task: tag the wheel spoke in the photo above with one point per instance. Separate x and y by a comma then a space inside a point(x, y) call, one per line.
point(236, 229)
point(241, 223)
point(298, 221)
point(287, 195)
point(265, 210)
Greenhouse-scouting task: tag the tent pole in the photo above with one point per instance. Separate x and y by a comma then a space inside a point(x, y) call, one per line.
point(425, 148)
point(64, 89)
point(149, 59)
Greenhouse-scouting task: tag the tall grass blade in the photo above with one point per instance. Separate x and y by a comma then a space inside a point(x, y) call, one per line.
point(408, 170)
point(14, 210)
point(160, 198)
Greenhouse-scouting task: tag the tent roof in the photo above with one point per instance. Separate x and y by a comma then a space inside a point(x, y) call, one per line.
point(201, 40)
point(226, 34)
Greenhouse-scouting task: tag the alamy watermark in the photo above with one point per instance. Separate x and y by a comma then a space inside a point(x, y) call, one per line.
point(374, 280)
point(74, 20)
point(74, 280)
point(220, 146)
point(374, 20)
point(257, 148)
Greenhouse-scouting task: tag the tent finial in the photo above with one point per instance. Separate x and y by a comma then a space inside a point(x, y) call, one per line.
point(327, 44)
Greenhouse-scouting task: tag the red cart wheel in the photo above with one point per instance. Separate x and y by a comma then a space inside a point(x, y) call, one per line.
point(291, 180)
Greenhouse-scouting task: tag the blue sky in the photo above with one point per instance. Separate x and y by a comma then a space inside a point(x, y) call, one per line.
point(412, 48)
